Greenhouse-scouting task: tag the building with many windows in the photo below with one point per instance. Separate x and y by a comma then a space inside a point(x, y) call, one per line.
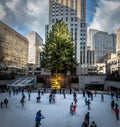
point(35, 51)
point(101, 42)
point(73, 13)
point(118, 41)
point(13, 48)
point(34, 48)
point(104, 44)
point(90, 37)
point(118, 47)
point(90, 56)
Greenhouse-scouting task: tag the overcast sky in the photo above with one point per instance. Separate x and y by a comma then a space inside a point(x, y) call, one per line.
point(32, 15)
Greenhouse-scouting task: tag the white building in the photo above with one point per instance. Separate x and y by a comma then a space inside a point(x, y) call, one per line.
point(113, 63)
point(34, 49)
point(90, 36)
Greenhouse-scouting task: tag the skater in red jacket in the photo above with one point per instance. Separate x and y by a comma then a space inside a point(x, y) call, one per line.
point(116, 110)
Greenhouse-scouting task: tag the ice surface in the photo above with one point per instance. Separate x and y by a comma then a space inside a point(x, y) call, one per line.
point(56, 115)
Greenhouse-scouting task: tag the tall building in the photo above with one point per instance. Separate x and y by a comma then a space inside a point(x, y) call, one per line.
point(90, 56)
point(118, 47)
point(13, 48)
point(104, 44)
point(90, 36)
point(118, 42)
point(73, 13)
point(34, 48)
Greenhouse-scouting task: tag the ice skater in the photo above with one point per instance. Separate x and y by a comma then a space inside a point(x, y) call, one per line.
point(38, 98)
point(1, 104)
point(85, 123)
point(88, 103)
point(74, 109)
point(102, 97)
point(83, 93)
point(6, 102)
point(22, 101)
point(9, 93)
point(38, 118)
point(75, 100)
point(93, 124)
point(71, 108)
point(87, 117)
point(112, 104)
point(116, 110)
point(29, 96)
point(86, 100)
point(64, 94)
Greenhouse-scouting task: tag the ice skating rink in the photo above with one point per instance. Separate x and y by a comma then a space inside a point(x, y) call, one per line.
point(56, 115)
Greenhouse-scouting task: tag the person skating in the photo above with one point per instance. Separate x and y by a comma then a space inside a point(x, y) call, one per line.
point(85, 123)
point(38, 118)
point(38, 93)
point(88, 103)
point(50, 98)
point(22, 101)
point(29, 96)
point(87, 117)
point(116, 110)
point(75, 100)
point(112, 104)
point(86, 100)
point(102, 97)
point(74, 95)
point(71, 108)
point(38, 99)
point(93, 124)
point(74, 109)
point(1, 104)
point(53, 98)
point(64, 94)
point(6, 102)
point(83, 93)
point(9, 93)
point(112, 95)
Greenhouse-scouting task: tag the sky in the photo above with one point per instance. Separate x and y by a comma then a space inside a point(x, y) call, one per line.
point(32, 15)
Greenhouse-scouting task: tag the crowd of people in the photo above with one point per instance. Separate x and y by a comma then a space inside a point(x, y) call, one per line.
point(87, 95)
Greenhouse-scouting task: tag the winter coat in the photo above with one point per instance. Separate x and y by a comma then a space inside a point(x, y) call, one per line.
point(116, 110)
point(38, 117)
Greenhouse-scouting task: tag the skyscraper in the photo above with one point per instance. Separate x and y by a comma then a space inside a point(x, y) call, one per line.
point(118, 47)
point(34, 48)
point(104, 44)
point(118, 42)
point(73, 13)
point(90, 36)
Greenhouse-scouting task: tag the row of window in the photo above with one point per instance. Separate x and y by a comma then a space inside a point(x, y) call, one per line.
point(53, 14)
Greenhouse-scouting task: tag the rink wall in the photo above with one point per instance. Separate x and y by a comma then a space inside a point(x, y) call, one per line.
point(83, 80)
point(109, 84)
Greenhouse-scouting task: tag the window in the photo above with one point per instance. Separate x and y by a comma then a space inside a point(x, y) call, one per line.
point(66, 18)
point(75, 18)
point(71, 18)
point(53, 20)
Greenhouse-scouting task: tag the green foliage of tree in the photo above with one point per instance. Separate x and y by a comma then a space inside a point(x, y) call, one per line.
point(59, 55)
